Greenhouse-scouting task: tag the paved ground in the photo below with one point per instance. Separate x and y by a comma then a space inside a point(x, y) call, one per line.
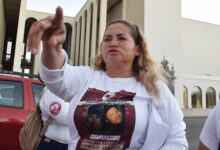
point(193, 129)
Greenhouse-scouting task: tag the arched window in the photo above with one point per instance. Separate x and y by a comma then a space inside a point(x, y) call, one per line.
point(185, 97)
point(27, 59)
point(210, 97)
point(67, 43)
point(196, 97)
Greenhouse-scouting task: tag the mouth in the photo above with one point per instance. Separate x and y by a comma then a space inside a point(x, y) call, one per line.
point(113, 51)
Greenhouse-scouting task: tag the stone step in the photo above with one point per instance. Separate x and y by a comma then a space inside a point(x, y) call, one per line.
point(196, 112)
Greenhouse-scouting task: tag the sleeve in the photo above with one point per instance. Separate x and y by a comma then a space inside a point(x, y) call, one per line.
point(64, 82)
point(209, 132)
point(53, 106)
point(173, 117)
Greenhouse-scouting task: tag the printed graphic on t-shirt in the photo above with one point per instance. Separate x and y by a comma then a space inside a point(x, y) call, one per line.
point(55, 108)
point(105, 120)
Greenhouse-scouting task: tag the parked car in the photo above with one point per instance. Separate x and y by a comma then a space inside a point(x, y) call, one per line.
point(19, 93)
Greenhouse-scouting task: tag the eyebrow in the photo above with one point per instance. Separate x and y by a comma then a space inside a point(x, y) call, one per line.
point(108, 35)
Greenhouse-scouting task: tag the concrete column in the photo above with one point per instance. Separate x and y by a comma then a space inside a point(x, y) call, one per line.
point(88, 20)
point(2, 29)
point(124, 8)
point(94, 29)
point(82, 42)
point(203, 99)
point(102, 19)
point(77, 44)
point(72, 56)
point(189, 99)
point(37, 61)
point(20, 37)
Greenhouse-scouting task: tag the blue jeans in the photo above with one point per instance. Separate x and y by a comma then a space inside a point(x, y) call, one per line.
point(49, 144)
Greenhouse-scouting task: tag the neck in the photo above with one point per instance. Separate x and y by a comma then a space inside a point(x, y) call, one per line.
point(119, 72)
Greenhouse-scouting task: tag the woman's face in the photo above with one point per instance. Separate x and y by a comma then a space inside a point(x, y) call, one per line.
point(118, 45)
point(114, 116)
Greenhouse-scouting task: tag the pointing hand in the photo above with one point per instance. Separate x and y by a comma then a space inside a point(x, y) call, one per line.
point(50, 30)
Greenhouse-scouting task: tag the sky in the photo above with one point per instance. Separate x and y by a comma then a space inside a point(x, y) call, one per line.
point(202, 10)
point(70, 7)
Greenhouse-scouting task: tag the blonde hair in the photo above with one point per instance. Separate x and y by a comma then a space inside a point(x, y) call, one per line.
point(144, 67)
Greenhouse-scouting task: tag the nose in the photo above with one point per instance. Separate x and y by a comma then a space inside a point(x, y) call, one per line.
point(114, 42)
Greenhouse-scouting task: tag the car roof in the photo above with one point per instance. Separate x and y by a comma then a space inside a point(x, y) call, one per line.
point(17, 75)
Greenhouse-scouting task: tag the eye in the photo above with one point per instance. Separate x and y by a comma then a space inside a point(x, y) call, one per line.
point(122, 38)
point(106, 39)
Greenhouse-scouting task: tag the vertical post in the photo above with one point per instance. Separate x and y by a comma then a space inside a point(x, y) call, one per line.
point(72, 56)
point(36, 61)
point(82, 42)
point(203, 99)
point(77, 43)
point(20, 37)
point(94, 28)
point(102, 19)
point(88, 24)
point(189, 99)
point(124, 5)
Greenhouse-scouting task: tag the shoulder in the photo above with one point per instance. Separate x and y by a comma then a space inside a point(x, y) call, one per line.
point(216, 113)
point(217, 107)
point(48, 98)
point(210, 134)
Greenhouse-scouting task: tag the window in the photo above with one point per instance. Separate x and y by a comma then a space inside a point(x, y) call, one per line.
point(11, 94)
point(37, 90)
point(210, 98)
point(8, 51)
point(196, 97)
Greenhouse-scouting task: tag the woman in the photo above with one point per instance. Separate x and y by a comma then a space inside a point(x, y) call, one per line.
point(210, 135)
point(123, 74)
point(57, 134)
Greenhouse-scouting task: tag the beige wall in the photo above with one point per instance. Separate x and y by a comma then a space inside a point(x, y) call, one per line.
point(134, 12)
point(41, 15)
point(2, 29)
point(115, 12)
point(201, 47)
point(19, 37)
point(203, 82)
point(90, 25)
point(24, 15)
point(162, 29)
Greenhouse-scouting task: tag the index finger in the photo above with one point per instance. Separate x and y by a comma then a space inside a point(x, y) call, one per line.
point(59, 16)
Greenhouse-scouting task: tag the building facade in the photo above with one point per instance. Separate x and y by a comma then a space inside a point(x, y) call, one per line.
point(190, 47)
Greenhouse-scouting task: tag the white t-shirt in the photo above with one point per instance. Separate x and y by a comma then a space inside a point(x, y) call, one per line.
point(103, 94)
point(53, 106)
point(210, 135)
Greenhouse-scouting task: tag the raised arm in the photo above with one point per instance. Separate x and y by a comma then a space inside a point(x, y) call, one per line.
point(52, 32)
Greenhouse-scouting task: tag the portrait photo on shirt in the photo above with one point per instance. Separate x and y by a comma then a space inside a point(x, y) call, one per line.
point(105, 119)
